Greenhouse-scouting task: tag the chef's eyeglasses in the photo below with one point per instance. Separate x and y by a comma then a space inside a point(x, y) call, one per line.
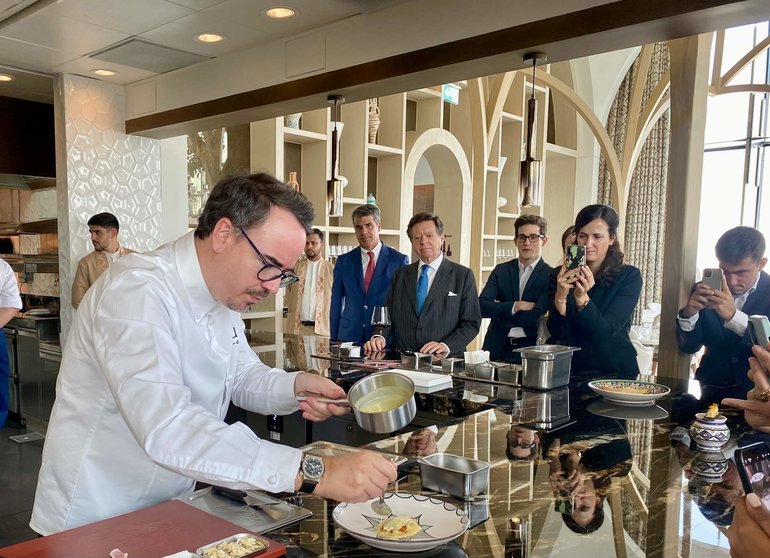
point(270, 272)
point(522, 238)
point(523, 445)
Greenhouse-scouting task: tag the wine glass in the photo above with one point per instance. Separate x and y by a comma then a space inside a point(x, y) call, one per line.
point(381, 317)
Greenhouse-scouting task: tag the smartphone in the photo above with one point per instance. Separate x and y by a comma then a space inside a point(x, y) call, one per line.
point(712, 278)
point(759, 331)
point(753, 464)
point(576, 256)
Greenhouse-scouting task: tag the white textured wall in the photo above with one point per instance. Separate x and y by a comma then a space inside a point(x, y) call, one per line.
point(100, 168)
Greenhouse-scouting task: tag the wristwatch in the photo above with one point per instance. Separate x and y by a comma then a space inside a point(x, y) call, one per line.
point(311, 469)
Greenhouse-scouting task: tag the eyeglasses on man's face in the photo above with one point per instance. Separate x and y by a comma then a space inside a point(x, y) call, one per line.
point(523, 444)
point(522, 238)
point(270, 272)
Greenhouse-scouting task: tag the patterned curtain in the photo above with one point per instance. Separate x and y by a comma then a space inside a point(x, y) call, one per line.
point(645, 225)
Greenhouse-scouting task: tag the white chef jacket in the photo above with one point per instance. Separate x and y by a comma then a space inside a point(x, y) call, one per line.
point(147, 373)
point(9, 287)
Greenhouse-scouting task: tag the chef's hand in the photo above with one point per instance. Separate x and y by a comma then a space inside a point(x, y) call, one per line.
point(749, 534)
point(375, 344)
point(355, 477)
point(311, 408)
point(756, 412)
point(435, 348)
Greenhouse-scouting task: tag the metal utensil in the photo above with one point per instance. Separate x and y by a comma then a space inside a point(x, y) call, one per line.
point(381, 508)
point(249, 500)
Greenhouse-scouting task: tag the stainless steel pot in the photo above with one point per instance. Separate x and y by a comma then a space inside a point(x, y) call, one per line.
point(382, 403)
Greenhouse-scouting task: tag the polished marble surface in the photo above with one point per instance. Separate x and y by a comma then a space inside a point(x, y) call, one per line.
point(600, 479)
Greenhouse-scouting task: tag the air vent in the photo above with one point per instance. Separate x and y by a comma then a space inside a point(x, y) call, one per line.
point(137, 53)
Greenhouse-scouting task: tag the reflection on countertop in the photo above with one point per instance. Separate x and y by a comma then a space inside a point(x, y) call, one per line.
point(608, 481)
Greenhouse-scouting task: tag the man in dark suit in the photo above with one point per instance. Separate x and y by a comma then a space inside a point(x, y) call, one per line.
point(516, 293)
point(434, 305)
point(361, 278)
point(718, 319)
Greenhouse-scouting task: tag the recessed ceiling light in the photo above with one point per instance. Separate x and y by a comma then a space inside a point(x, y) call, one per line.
point(104, 72)
point(280, 12)
point(210, 37)
point(6, 77)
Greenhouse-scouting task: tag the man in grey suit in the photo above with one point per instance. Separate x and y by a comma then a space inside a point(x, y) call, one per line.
point(434, 305)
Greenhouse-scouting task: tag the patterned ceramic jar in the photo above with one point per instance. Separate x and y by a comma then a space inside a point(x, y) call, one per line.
point(709, 433)
point(709, 465)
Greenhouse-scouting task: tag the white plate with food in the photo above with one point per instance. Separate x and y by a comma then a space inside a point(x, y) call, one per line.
point(417, 522)
point(629, 392)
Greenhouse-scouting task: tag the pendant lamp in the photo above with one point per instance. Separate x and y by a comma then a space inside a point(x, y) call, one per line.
point(531, 182)
point(334, 185)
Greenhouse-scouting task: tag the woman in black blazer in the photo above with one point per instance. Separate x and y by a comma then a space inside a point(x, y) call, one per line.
point(591, 306)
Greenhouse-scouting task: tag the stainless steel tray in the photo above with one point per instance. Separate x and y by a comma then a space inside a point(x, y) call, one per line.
point(271, 514)
point(323, 449)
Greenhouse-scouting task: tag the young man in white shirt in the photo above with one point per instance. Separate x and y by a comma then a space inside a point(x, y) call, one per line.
point(309, 299)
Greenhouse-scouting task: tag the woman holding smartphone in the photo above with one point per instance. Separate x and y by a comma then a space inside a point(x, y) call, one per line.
point(592, 305)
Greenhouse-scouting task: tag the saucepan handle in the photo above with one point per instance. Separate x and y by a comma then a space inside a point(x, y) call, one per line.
point(302, 396)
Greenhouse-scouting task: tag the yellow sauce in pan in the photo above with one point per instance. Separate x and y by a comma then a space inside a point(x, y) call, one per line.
point(383, 399)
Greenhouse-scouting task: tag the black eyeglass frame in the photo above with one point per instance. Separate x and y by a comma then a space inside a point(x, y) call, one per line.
point(522, 445)
point(522, 238)
point(287, 277)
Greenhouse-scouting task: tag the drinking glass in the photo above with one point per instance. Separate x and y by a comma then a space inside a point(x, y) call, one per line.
point(381, 316)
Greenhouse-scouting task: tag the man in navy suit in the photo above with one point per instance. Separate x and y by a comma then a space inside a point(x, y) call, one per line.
point(718, 319)
point(516, 293)
point(434, 304)
point(361, 278)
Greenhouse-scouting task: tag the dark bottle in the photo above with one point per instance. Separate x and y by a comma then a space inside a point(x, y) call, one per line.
point(516, 538)
point(275, 427)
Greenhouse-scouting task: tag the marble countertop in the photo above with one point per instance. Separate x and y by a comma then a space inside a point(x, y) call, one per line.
point(604, 481)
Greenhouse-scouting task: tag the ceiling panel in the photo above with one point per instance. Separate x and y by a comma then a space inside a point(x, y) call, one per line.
point(85, 66)
point(32, 87)
point(197, 4)
point(32, 57)
point(129, 16)
point(60, 33)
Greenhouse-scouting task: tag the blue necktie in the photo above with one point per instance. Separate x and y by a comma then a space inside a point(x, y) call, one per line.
point(422, 288)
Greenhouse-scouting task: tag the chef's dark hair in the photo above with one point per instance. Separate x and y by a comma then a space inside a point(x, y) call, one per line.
point(246, 201)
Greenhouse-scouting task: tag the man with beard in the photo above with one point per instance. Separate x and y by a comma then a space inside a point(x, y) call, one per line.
point(309, 299)
point(104, 229)
point(157, 352)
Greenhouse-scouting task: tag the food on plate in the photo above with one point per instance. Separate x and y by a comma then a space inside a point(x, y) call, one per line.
point(634, 388)
point(236, 548)
point(398, 527)
point(713, 411)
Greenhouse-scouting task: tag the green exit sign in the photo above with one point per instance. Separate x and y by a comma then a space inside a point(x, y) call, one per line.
point(450, 93)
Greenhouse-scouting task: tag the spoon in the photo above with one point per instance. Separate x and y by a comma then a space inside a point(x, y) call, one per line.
point(381, 508)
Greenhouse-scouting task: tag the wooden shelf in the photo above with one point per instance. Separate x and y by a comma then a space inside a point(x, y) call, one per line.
point(256, 315)
point(294, 135)
point(422, 94)
point(378, 151)
point(560, 151)
point(510, 117)
point(502, 215)
point(354, 201)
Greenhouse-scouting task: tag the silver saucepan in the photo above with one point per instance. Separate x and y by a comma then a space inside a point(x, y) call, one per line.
point(382, 403)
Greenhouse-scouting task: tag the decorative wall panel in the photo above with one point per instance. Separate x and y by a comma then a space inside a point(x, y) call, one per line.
point(105, 170)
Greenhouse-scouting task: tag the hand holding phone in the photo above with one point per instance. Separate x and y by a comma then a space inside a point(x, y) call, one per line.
point(576, 256)
point(759, 330)
point(712, 278)
point(753, 462)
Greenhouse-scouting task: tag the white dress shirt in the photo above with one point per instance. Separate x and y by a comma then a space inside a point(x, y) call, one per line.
point(149, 368)
point(308, 304)
point(9, 287)
point(525, 272)
point(365, 256)
point(433, 269)
point(737, 324)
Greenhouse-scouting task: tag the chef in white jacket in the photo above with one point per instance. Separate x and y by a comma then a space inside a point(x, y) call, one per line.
point(156, 353)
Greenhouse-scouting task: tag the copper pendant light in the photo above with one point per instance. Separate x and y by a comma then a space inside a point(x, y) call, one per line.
point(334, 184)
point(531, 181)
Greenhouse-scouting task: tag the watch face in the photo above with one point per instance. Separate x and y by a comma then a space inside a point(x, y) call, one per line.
point(313, 468)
